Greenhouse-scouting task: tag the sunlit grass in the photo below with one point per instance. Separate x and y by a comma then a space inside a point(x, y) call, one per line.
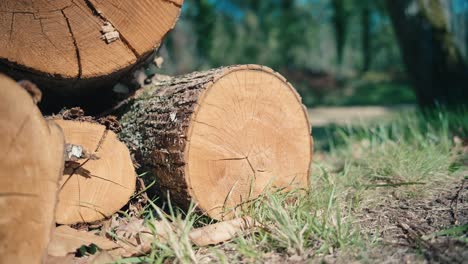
point(409, 154)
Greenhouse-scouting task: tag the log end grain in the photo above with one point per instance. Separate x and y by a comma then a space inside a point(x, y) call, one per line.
point(248, 133)
point(92, 189)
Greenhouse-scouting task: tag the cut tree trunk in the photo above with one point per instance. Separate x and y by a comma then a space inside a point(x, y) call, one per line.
point(31, 163)
point(67, 46)
point(98, 185)
point(221, 137)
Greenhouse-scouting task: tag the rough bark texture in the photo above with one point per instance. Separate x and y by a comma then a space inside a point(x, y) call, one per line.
point(71, 48)
point(31, 162)
point(159, 127)
point(433, 60)
point(156, 138)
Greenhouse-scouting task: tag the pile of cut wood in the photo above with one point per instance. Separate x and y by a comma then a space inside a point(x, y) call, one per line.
point(217, 139)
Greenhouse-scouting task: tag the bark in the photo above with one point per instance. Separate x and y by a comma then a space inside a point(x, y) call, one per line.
point(340, 23)
point(433, 61)
point(366, 37)
point(156, 138)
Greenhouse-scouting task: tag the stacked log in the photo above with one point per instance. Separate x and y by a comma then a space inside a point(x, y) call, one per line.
point(31, 162)
point(100, 183)
point(75, 50)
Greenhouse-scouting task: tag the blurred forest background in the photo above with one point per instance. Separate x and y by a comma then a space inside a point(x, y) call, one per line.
point(335, 52)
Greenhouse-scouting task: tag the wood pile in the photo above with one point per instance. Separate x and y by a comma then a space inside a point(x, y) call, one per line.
point(215, 139)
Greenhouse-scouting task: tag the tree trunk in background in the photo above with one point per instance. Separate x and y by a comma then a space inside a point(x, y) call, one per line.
point(204, 24)
point(366, 37)
point(340, 20)
point(433, 60)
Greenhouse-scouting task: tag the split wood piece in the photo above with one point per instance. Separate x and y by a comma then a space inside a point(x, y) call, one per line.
point(220, 137)
point(93, 189)
point(31, 163)
point(66, 46)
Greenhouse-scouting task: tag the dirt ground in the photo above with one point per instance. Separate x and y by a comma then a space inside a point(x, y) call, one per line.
point(323, 116)
point(409, 228)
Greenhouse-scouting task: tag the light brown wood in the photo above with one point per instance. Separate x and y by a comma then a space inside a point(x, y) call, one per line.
point(59, 44)
point(31, 162)
point(93, 189)
point(221, 137)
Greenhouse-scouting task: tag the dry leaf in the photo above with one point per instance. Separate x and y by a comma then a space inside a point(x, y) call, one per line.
point(68, 259)
point(67, 240)
point(102, 257)
point(135, 237)
point(221, 232)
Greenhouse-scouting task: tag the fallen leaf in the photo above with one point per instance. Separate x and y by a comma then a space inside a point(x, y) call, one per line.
point(135, 237)
point(221, 232)
point(102, 257)
point(66, 240)
point(68, 259)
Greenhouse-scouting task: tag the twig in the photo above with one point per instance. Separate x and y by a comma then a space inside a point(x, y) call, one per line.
point(398, 184)
point(454, 203)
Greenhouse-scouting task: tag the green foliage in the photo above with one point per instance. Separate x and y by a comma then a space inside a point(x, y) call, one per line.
point(281, 33)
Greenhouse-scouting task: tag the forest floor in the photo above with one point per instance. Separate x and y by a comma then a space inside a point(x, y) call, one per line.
point(390, 190)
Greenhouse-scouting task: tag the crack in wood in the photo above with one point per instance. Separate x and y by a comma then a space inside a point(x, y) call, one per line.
point(227, 159)
point(11, 27)
point(75, 43)
point(104, 179)
point(173, 3)
point(243, 158)
point(99, 14)
point(17, 194)
point(13, 140)
point(251, 167)
point(91, 208)
point(75, 170)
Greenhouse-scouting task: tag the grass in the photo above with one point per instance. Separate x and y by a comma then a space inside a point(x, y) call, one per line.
point(408, 155)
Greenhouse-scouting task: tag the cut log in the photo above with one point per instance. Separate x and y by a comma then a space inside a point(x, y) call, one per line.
point(71, 47)
point(96, 187)
point(31, 162)
point(221, 137)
